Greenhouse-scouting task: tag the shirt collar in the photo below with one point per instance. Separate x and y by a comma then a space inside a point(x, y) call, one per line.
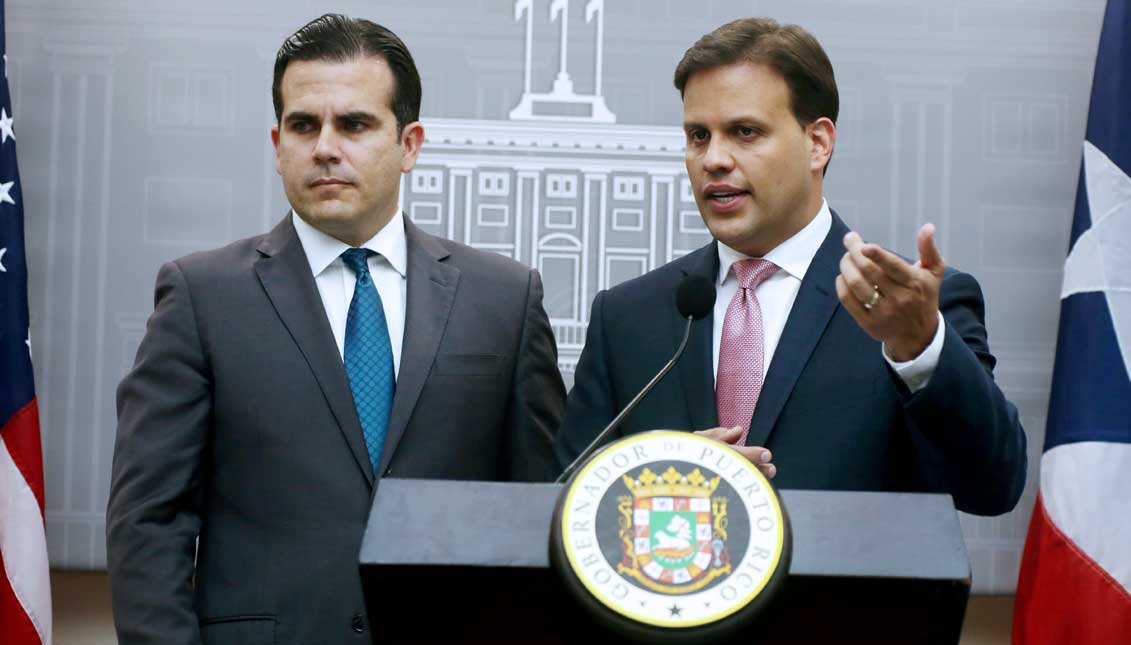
point(793, 255)
point(322, 249)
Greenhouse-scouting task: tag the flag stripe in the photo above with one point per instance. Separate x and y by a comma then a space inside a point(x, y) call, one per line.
point(21, 436)
point(23, 539)
point(1049, 612)
point(14, 623)
point(1077, 482)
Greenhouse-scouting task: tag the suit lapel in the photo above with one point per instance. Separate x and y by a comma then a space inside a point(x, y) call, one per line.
point(696, 366)
point(285, 275)
point(816, 301)
point(430, 293)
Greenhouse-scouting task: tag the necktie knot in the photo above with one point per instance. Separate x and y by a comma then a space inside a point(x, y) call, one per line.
point(358, 261)
point(751, 273)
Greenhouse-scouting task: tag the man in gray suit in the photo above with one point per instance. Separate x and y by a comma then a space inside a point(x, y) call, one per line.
point(281, 374)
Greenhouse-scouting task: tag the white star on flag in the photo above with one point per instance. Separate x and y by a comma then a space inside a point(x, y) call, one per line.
point(1101, 258)
point(6, 126)
point(2, 252)
point(5, 198)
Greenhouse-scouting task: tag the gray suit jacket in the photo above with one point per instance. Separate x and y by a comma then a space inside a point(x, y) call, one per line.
point(237, 428)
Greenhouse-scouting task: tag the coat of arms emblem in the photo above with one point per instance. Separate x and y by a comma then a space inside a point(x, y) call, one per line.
point(666, 530)
point(673, 533)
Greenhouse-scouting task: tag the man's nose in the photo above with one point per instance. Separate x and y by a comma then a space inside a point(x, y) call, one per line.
point(326, 149)
point(717, 157)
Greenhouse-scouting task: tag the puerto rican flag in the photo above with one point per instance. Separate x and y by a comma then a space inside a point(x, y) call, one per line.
point(1075, 582)
point(25, 594)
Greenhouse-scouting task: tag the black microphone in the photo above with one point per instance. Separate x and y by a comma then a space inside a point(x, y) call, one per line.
point(694, 298)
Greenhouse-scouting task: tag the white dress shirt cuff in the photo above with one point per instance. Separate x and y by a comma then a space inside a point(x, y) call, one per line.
point(916, 373)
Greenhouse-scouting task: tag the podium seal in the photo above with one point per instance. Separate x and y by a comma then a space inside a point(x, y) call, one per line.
point(671, 536)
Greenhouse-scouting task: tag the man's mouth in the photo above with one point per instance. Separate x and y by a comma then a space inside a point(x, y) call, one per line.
point(724, 197)
point(723, 194)
point(329, 181)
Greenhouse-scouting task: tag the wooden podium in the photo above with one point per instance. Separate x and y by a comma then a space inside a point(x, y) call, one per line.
point(468, 561)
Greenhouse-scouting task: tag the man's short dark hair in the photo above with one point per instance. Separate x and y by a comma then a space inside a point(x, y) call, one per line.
point(787, 49)
point(338, 38)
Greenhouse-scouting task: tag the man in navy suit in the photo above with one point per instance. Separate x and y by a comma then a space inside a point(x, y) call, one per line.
point(830, 362)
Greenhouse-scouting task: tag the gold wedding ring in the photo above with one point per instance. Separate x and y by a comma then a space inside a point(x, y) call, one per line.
point(874, 299)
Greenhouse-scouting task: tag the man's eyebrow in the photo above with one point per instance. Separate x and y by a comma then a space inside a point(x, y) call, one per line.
point(742, 120)
point(357, 115)
point(292, 117)
point(747, 119)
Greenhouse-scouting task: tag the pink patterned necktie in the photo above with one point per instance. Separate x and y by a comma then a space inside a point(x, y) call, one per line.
point(739, 381)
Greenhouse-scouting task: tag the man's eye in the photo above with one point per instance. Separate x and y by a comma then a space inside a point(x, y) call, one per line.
point(354, 126)
point(747, 132)
point(697, 136)
point(301, 126)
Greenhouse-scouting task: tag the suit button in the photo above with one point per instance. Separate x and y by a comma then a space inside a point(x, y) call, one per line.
point(357, 624)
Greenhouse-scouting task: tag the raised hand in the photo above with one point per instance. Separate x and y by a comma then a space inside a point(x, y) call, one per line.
point(895, 302)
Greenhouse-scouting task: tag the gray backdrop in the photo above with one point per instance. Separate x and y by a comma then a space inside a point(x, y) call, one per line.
point(143, 130)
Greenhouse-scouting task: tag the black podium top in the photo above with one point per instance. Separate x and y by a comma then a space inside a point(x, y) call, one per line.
point(835, 533)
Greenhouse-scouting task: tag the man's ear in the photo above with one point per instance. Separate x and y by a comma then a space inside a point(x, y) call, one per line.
point(412, 138)
point(822, 137)
point(275, 142)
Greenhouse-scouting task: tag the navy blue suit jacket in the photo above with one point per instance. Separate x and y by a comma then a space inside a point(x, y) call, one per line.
point(833, 413)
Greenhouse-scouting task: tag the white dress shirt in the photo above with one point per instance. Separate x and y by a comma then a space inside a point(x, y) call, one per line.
point(336, 281)
point(777, 293)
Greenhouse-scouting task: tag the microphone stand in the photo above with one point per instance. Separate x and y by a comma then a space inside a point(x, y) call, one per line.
point(600, 440)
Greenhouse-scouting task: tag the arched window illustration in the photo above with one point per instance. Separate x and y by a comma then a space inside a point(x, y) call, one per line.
point(559, 262)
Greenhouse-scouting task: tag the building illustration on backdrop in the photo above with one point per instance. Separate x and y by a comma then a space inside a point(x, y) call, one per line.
point(559, 186)
point(561, 102)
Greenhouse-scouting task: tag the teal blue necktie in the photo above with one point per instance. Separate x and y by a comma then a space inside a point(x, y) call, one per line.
point(369, 357)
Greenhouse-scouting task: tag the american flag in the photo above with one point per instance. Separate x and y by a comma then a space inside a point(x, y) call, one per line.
point(25, 595)
point(1075, 583)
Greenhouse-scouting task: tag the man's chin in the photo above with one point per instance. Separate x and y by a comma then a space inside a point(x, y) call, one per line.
point(728, 230)
point(737, 234)
point(330, 210)
point(326, 217)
